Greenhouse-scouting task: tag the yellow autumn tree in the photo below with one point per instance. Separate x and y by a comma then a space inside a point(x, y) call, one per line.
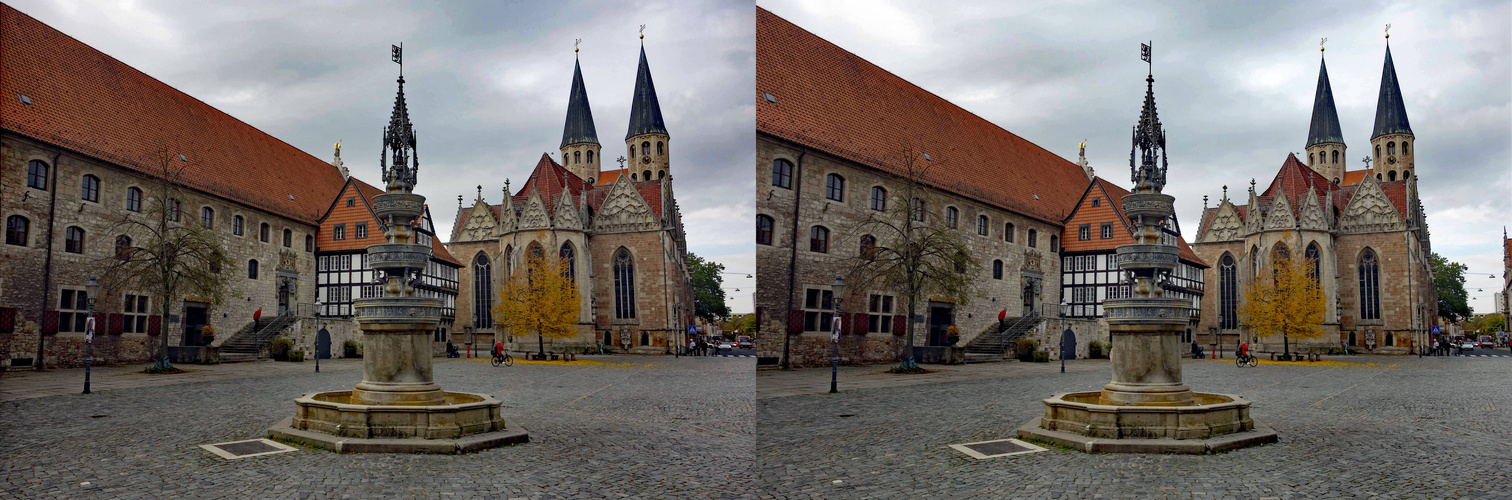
point(542, 299)
point(1290, 304)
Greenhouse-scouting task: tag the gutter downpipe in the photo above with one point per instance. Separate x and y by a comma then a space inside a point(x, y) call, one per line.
point(787, 338)
point(52, 215)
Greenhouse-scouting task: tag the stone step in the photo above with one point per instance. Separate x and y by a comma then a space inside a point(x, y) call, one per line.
point(983, 358)
point(238, 357)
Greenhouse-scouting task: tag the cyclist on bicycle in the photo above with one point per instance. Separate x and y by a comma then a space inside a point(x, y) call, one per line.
point(1243, 350)
point(498, 349)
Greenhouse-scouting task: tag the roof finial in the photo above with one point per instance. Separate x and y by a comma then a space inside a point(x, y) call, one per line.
point(643, 34)
point(1388, 33)
point(1320, 44)
point(1144, 53)
point(1366, 159)
point(575, 46)
point(1204, 202)
point(398, 57)
point(1225, 192)
point(480, 191)
point(1252, 185)
point(459, 201)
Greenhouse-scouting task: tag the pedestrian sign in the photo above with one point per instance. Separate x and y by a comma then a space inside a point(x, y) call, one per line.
point(1435, 329)
point(692, 330)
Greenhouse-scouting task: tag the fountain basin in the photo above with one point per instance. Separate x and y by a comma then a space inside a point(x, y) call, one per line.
point(1216, 422)
point(467, 422)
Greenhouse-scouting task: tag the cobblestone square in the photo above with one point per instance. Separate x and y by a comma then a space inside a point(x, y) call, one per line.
point(1369, 426)
point(615, 427)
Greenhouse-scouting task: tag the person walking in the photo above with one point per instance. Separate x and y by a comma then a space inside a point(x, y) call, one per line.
point(692, 347)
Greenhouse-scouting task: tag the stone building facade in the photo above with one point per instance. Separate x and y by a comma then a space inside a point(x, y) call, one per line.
point(620, 228)
point(831, 131)
point(1365, 229)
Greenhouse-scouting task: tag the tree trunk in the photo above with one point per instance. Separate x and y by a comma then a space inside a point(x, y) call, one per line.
point(541, 341)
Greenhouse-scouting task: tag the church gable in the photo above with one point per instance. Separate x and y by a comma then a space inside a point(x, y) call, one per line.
point(1280, 215)
point(566, 214)
point(479, 225)
point(1226, 225)
point(1370, 211)
point(1255, 222)
point(624, 210)
point(534, 214)
point(1312, 215)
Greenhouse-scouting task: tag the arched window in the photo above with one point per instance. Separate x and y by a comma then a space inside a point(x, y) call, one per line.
point(288, 239)
point(997, 269)
point(646, 175)
point(660, 174)
point(1311, 254)
point(879, 198)
point(1391, 176)
point(252, 269)
point(134, 199)
point(262, 232)
point(624, 285)
point(1378, 151)
point(173, 210)
point(763, 230)
point(634, 177)
point(658, 148)
point(819, 239)
point(646, 147)
point(207, 217)
point(482, 292)
point(1033, 238)
point(1370, 286)
point(17, 228)
point(123, 247)
point(1054, 243)
point(569, 256)
point(1254, 257)
point(535, 251)
point(1228, 293)
point(36, 175)
point(1310, 159)
point(1378, 176)
point(982, 225)
point(89, 189)
point(1335, 156)
point(868, 247)
point(917, 210)
point(1008, 231)
point(1406, 148)
point(1280, 253)
point(632, 150)
point(73, 240)
point(309, 243)
point(508, 264)
point(577, 156)
point(952, 216)
point(590, 157)
point(1391, 148)
point(834, 187)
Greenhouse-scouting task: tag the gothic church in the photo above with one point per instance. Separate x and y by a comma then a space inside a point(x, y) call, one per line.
point(619, 227)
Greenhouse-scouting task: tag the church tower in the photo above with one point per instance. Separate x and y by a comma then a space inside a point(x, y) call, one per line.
point(580, 146)
point(1325, 142)
point(1392, 141)
point(647, 139)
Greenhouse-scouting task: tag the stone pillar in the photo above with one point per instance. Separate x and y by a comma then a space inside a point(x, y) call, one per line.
point(1147, 327)
point(396, 327)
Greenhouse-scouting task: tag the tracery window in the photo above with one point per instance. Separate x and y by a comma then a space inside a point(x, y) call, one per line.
point(1370, 286)
point(1228, 293)
point(1311, 254)
point(482, 292)
point(624, 285)
point(568, 255)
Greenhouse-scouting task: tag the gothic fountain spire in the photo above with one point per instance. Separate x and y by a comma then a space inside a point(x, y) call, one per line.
point(1149, 141)
point(399, 142)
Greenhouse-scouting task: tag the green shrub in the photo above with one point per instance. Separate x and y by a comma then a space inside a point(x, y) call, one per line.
point(351, 349)
point(1024, 346)
point(296, 356)
point(1097, 349)
point(280, 347)
point(1041, 356)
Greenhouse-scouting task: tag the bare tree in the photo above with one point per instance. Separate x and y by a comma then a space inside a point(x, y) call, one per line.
point(907, 247)
point(155, 250)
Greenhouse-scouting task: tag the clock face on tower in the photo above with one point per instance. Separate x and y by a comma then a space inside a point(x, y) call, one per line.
point(1390, 159)
point(646, 159)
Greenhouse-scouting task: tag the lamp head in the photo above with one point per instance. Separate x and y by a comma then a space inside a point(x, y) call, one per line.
point(93, 288)
point(838, 286)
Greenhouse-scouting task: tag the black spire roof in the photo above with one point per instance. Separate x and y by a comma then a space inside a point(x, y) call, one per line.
point(645, 112)
point(399, 146)
point(1325, 118)
point(1391, 113)
point(1149, 136)
point(579, 127)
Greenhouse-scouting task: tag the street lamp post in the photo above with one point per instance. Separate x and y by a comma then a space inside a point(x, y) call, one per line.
point(839, 290)
point(93, 289)
point(318, 310)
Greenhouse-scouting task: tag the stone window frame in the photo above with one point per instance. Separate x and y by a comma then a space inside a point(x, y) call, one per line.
point(1054, 243)
point(73, 240)
point(819, 239)
point(568, 252)
point(17, 230)
point(482, 291)
point(982, 224)
point(89, 188)
point(1368, 266)
point(834, 187)
point(818, 309)
point(134, 199)
point(880, 309)
point(997, 269)
point(1008, 232)
point(136, 307)
point(36, 174)
point(175, 209)
point(252, 269)
point(123, 249)
point(878, 198)
point(1033, 238)
point(71, 313)
point(1228, 292)
point(768, 231)
point(952, 217)
point(1084, 232)
point(238, 225)
point(782, 172)
point(623, 269)
point(263, 232)
point(918, 209)
point(207, 217)
point(867, 247)
point(309, 243)
point(288, 238)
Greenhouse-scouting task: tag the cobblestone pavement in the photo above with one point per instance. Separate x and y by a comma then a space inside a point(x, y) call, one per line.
point(638, 427)
point(1402, 427)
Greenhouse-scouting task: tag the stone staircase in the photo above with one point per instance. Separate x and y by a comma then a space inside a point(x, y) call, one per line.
point(252, 345)
point(998, 341)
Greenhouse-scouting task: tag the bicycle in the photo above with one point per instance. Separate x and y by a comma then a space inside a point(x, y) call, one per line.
point(1246, 360)
point(502, 359)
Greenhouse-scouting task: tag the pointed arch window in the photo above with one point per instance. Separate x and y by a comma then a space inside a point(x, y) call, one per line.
point(569, 256)
point(1370, 286)
point(624, 285)
point(508, 264)
point(1228, 293)
point(1312, 256)
point(482, 292)
point(763, 230)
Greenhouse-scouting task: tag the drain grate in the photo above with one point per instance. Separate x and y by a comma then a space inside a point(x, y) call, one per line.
point(999, 448)
point(245, 449)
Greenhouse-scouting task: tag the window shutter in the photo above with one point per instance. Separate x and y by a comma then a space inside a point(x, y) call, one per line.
point(900, 325)
point(7, 320)
point(858, 323)
point(155, 324)
point(49, 321)
point(795, 321)
point(117, 323)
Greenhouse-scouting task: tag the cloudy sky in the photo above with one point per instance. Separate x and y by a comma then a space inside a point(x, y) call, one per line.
point(1234, 83)
point(487, 85)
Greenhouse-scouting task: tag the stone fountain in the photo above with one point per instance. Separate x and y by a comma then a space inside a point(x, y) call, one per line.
point(398, 408)
point(1147, 408)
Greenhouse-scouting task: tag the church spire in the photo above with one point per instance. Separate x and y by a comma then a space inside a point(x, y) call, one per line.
point(1391, 112)
point(1325, 118)
point(579, 127)
point(645, 111)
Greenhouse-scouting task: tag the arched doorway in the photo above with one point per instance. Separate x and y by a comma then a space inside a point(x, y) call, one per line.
point(645, 339)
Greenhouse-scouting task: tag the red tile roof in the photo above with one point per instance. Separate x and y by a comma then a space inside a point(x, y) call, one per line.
point(554, 181)
point(1352, 177)
point(91, 103)
point(1296, 179)
point(832, 100)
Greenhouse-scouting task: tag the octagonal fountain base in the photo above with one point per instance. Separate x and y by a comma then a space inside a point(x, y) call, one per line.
point(466, 422)
point(1217, 422)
